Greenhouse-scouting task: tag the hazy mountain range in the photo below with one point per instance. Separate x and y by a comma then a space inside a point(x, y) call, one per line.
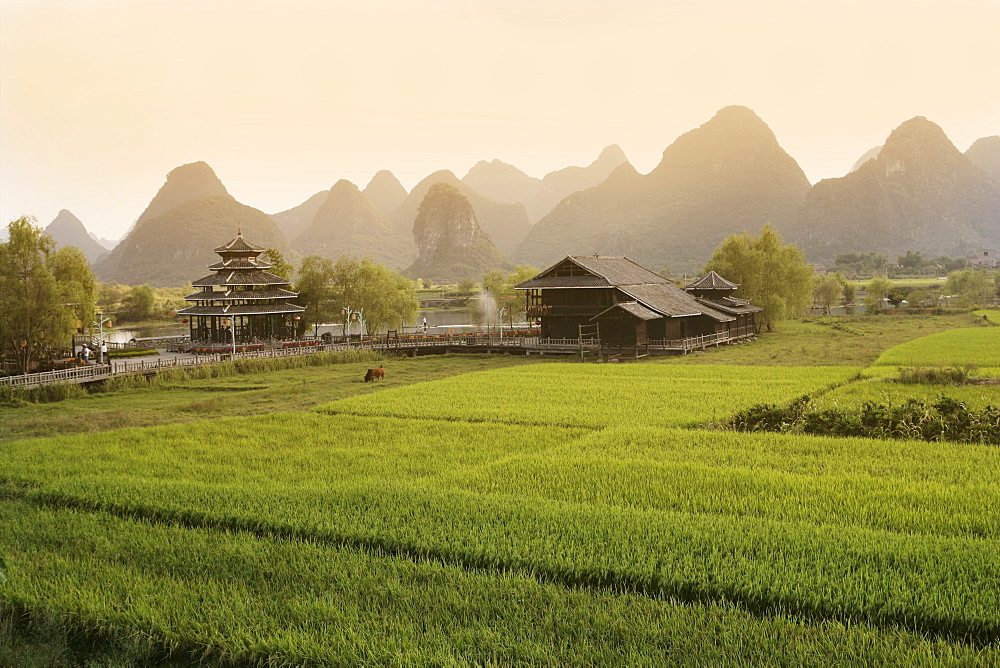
point(916, 192)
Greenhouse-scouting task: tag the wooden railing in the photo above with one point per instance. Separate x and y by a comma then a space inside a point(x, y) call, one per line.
point(90, 373)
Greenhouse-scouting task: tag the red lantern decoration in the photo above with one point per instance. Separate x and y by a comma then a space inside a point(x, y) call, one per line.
point(184, 320)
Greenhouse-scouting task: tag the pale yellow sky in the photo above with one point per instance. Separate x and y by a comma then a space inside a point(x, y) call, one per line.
point(99, 99)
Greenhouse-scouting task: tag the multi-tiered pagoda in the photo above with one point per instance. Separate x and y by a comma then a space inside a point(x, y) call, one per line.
point(241, 294)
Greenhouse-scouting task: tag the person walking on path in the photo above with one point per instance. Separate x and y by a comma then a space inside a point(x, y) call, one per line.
point(102, 358)
point(85, 353)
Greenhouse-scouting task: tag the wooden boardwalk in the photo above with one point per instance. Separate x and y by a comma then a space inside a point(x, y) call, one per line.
point(412, 346)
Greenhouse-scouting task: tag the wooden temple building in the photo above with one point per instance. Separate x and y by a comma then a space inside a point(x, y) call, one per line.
point(631, 305)
point(240, 293)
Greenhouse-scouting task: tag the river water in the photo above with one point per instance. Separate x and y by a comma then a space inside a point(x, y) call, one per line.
point(439, 321)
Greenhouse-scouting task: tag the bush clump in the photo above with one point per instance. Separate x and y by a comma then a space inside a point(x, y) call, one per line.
point(946, 419)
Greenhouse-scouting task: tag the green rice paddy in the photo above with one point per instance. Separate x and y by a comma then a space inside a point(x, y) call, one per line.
point(536, 514)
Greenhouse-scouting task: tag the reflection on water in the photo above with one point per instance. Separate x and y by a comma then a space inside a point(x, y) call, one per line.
point(439, 321)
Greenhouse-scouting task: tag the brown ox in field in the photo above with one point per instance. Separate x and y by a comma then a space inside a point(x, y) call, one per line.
point(374, 374)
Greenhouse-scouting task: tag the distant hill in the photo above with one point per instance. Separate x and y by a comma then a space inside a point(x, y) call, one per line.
point(67, 230)
point(729, 175)
point(561, 183)
point(293, 221)
point(347, 223)
point(185, 183)
point(985, 154)
point(506, 223)
point(451, 243)
point(106, 243)
point(503, 182)
point(871, 154)
point(920, 193)
point(385, 191)
point(176, 246)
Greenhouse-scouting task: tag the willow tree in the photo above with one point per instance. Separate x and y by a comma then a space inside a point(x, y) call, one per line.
point(771, 274)
point(45, 293)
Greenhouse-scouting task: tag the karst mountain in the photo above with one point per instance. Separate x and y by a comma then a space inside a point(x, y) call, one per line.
point(451, 243)
point(506, 223)
point(985, 154)
point(67, 230)
point(173, 240)
point(729, 175)
point(293, 221)
point(385, 191)
point(920, 193)
point(503, 182)
point(347, 223)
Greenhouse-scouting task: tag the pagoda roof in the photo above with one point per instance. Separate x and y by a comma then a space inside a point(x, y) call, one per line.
point(277, 293)
point(712, 281)
point(240, 245)
point(251, 277)
point(593, 271)
point(240, 263)
point(242, 309)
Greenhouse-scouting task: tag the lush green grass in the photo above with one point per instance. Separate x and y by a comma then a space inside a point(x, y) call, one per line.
point(236, 597)
point(599, 395)
point(194, 400)
point(842, 340)
point(992, 315)
point(977, 346)
point(853, 395)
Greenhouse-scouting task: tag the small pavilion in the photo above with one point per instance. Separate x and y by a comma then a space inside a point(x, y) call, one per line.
point(242, 295)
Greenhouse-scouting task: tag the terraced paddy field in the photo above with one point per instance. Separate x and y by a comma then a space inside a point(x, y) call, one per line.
point(554, 513)
point(975, 346)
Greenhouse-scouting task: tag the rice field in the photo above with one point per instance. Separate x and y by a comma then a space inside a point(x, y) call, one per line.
point(880, 391)
point(978, 346)
point(536, 514)
point(658, 394)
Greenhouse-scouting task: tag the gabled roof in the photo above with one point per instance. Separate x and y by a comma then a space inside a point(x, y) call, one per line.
point(240, 263)
point(242, 309)
point(220, 295)
point(634, 308)
point(593, 271)
point(239, 245)
point(712, 281)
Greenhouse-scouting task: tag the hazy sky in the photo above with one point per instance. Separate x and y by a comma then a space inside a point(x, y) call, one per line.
point(99, 99)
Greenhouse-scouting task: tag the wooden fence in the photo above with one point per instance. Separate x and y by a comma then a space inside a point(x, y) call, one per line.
point(95, 372)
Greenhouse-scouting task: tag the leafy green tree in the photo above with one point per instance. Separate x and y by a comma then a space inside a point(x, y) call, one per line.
point(877, 291)
point(140, 303)
point(850, 292)
point(896, 296)
point(278, 265)
point(973, 287)
point(110, 296)
point(327, 289)
point(44, 293)
point(826, 291)
point(501, 286)
point(771, 274)
point(315, 286)
point(466, 286)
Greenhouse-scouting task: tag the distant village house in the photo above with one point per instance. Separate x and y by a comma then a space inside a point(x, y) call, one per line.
point(986, 259)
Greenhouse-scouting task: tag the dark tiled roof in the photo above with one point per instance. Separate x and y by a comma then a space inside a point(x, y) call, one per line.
point(564, 282)
point(253, 277)
point(634, 308)
point(666, 299)
point(241, 309)
point(277, 293)
point(712, 281)
point(240, 263)
point(605, 271)
point(731, 309)
point(239, 245)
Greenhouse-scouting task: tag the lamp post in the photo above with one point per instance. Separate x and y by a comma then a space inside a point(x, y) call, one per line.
point(231, 326)
point(100, 343)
